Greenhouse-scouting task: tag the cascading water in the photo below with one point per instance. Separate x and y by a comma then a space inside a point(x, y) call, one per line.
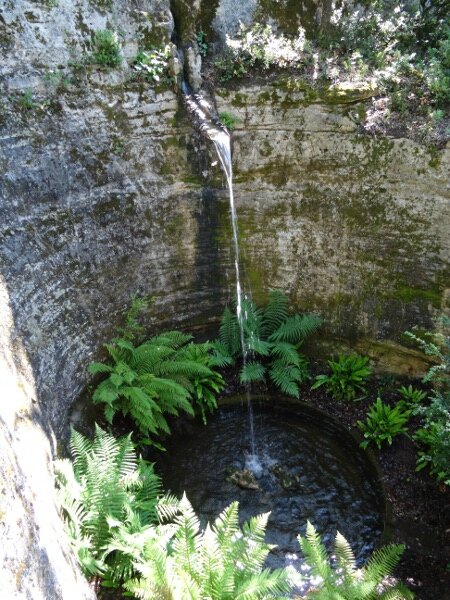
point(222, 143)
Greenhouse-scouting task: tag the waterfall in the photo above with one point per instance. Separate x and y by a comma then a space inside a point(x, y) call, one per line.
point(220, 137)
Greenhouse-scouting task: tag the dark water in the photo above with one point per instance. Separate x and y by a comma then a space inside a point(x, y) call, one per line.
point(334, 485)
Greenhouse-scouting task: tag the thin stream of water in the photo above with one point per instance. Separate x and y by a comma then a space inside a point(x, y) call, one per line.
point(222, 143)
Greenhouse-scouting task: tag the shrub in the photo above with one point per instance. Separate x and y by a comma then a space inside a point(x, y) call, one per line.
point(107, 51)
point(219, 563)
point(348, 377)
point(228, 120)
point(105, 485)
point(153, 63)
point(162, 376)
point(435, 439)
point(412, 397)
point(272, 338)
point(383, 423)
point(434, 435)
point(344, 581)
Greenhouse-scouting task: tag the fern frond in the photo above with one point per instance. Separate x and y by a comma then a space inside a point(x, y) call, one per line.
point(185, 368)
point(220, 356)
point(286, 352)
point(148, 357)
point(383, 562)
point(229, 333)
point(398, 592)
point(344, 554)
point(167, 508)
point(96, 367)
point(171, 339)
point(286, 377)
point(296, 329)
point(315, 553)
point(266, 584)
point(252, 371)
point(275, 313)
point(257, 346)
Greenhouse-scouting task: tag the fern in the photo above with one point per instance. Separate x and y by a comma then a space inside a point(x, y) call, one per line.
point(166, 374)
point(219, 563)
point(229, 333)
point(286, 377)
point(275, 313)
point(252, 371)
point(346, 581)
point(104, 486)
point(271, 338)
point(296, 329)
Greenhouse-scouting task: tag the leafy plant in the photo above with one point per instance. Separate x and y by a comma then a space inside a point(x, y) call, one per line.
point(412, 397)
point(435, 439)
point(201, 43)
point(132, 330)
point(26, 102)
point(228, 120)
point(259, 46)
point(107, 50)
point(220, 563)
point(272, 338)
point(343, 580)
point(158, 377)
point(348, 377)
point(153, 63)
point(434, 435)
point(105, 485)
point(383, 423)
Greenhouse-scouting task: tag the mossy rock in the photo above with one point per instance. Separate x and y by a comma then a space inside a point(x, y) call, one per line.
point(348, 92)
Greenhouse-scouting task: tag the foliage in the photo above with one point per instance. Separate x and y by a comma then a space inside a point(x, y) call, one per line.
point(228, 120)
point(412, 397)
point(104, 486)
point(161, 376)
point(201, 43)
point(348, 377)
point(153, 63)
point(383, 423)
point(107, 50)
point(343, 580)
point(434, 435)
point(259, 46)
point(132, 330)
point(220, 563)
point(400, 48)
point(58, 79)
point(26, 101)
point(272, 337)
point(436, 345)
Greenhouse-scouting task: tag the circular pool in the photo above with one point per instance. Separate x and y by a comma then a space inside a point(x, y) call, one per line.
point(308, 467)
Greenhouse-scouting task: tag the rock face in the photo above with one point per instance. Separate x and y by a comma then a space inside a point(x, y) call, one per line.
point(354, 227)
point(107, 191)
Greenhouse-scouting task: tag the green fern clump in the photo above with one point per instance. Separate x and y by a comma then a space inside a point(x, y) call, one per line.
point(222, 562)
point(103, 486)
point(347, 379)
point(272, 338)
point(383, 423)
point(164, 375)
point(342, 580)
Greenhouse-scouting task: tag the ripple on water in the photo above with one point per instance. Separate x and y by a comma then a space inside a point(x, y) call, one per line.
point(306, 466)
